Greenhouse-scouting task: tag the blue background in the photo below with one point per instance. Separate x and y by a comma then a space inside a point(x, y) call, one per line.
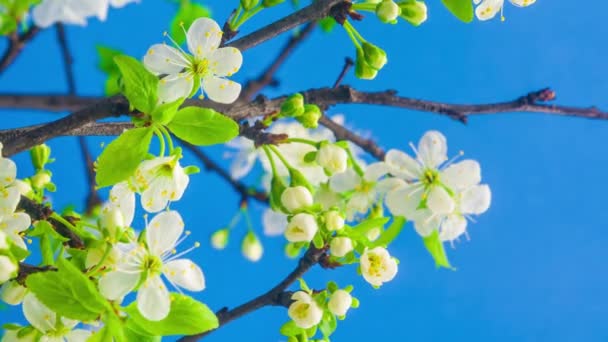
point(534, 269)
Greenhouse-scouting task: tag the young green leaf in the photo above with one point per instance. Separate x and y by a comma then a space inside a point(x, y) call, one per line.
point(290, 329)
point(186, 317)
point(203, 126)
point(106, 59)
point(164, 113)
point(188, 12)
point(461, 9)
point(140, 86)
point(391, 232)
point(121, 157)
point(435, 246)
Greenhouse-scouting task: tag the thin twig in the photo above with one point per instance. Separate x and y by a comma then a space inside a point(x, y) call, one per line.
point(16, 43)
point(348, 63)
point(67, 58)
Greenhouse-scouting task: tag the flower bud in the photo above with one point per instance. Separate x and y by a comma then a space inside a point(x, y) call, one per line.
point(311, 116)
point(296, 198)
point(12, 292)
point(339, 302)
point(334, 220)
point(340, 246)
point(293, 106)
point(301, 228)
point(304, 311)
point(112, 221)
point(332, 158)
point(8, 269)
point(249, 4)
point(387, 11)
point(270, 3)
point(40, 156)
point(252, 248)
point(219, 239)
point(375, 57)
point(413, 11)
point(41, 179)
point(362, 69)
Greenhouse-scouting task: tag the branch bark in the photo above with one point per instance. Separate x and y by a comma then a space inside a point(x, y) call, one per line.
point(16, 43)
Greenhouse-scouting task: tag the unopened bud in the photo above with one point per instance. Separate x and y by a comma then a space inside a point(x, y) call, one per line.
point(332, 158)
point(249, 4)
point(293, 106)
point(296, 198)
point(339, 302)
point(362, 69)
point(387, 11)
point(301, 228)
point(252, 247)
point(311, 116)
point(415, 12)
point(219, 239)
point(375, 57)
point(41, 179)
point(340, 246)
point(40, 156)
point(333, 220)
point(112, 221)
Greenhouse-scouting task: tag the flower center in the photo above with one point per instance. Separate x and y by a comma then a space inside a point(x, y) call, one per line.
point(430, 177)
point(200, 67)
point(153, 265)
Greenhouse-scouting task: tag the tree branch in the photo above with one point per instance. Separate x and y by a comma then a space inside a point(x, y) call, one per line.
point(274, 297)
point(16, 43)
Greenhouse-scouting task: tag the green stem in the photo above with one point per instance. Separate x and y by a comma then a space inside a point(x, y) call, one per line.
point(161, 140)
point(105, 255)
point(303, 141)
point(271, 159)
point(65, 222)
point(349, 30)
point(248, 15)
point(278, 153)
point(356, 165)
point(365, 7)
point(239, 10)
point(168, 136)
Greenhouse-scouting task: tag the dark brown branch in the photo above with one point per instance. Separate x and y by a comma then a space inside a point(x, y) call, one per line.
point(26, 269)
point(274, 297)
point(242, 189)
point(267, 76)
point(342, 133)
point(16, 140)
point(16, 43)
point(67, 58)
point(348, 63)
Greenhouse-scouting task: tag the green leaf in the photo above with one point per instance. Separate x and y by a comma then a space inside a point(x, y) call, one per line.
point(187, 317)
point(106, 59)
point(140, 85)
point(18, 252)
point(462, 9)
point(317, 241)
point(391, 232)
point(68, 292)
point(328, 324)
point(164, 113)
point(188, 12)
point(369, 224)
point(203, 126)
point(290, 329)
point(8, 24)
point(121, 157)
point(434, 245)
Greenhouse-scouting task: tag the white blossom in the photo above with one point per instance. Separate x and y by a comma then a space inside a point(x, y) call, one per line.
point(301, 228)
point(74, 12)
point(332, 158)
point(274, 222)
point(340, 246)
point(296, 198)
point(334, 220)
point(377, 266)
point(160, 180)
point(304, 311)
point(252, 247)
point(487, 9)
point(12, 292)
point(157, 257)
point(208, 63)
point(9, 190)
point(339, 302)
point(8, 269)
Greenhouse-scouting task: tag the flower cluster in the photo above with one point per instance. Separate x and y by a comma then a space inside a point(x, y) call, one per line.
point(74, 12)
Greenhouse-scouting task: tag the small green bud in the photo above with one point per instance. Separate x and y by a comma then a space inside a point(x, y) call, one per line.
point(362, 69)
point(413, 11)
point(219, 239)
point(374, 56)
point(249, 4)
point(291, 250)
point(293, 106)
point(388, 11)
point(41, 179)
point(40, 156)
point(252, 247)
point(270, 3)
point(311, 116)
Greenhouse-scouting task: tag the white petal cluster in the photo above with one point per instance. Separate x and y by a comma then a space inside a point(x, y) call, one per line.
point(377, 266)
point(45, 321)
point(151, 260)
point(340, 246)
point(332, 158)
point(339, 302)
point(73, 12)
point(159, 181)
point(436, 197)
point(304, 311)
point(487, 9)
point(296, 198)
point(206, 62)
point(301, 228)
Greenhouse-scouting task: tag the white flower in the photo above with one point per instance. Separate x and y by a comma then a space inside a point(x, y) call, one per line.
point(45, 321)
point(209, 64)
point(487, 9)
point(332, 158)
point(8, 269)
point(244, 158)
point(301, 228)
point(159, 181)
point(427, 179)
point(74, 12)
point(274, 223)
point(304, 311)
point(296, 198)
point(156, 258)
point(9, 189)
point(365, 190)
point(334, 220)
point(340, 246)
point(13, 224)
point(123, 198)
point(252, 247)
point(377, 266)
point(472, 201)
point(12, 292)
point(339, 302)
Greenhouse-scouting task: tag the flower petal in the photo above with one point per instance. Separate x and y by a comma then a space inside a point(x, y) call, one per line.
point(476, 200)
point(78, 335)
point(432, 149)
point(425, 222)
point(9, 198)
point(115, 284)
point(163, 59)
point(225, 61)
point(274, 223)
point(39, 316)
point(185, 273)
point(122, 197)
point(8, 172)
point(204, 36)
point(404, 200)
point(163, 231)
point(522, 3)
point(452, 227)
point(402, 165)
point(488, 9)
point(174, 87)
point(153, 299)
point(242, 163)
point(439, 201)
point(221, 90)
point(461, 175)
point(345, 181)
point(375, 171)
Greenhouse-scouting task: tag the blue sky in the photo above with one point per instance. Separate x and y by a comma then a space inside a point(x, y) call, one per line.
point(533, 269)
